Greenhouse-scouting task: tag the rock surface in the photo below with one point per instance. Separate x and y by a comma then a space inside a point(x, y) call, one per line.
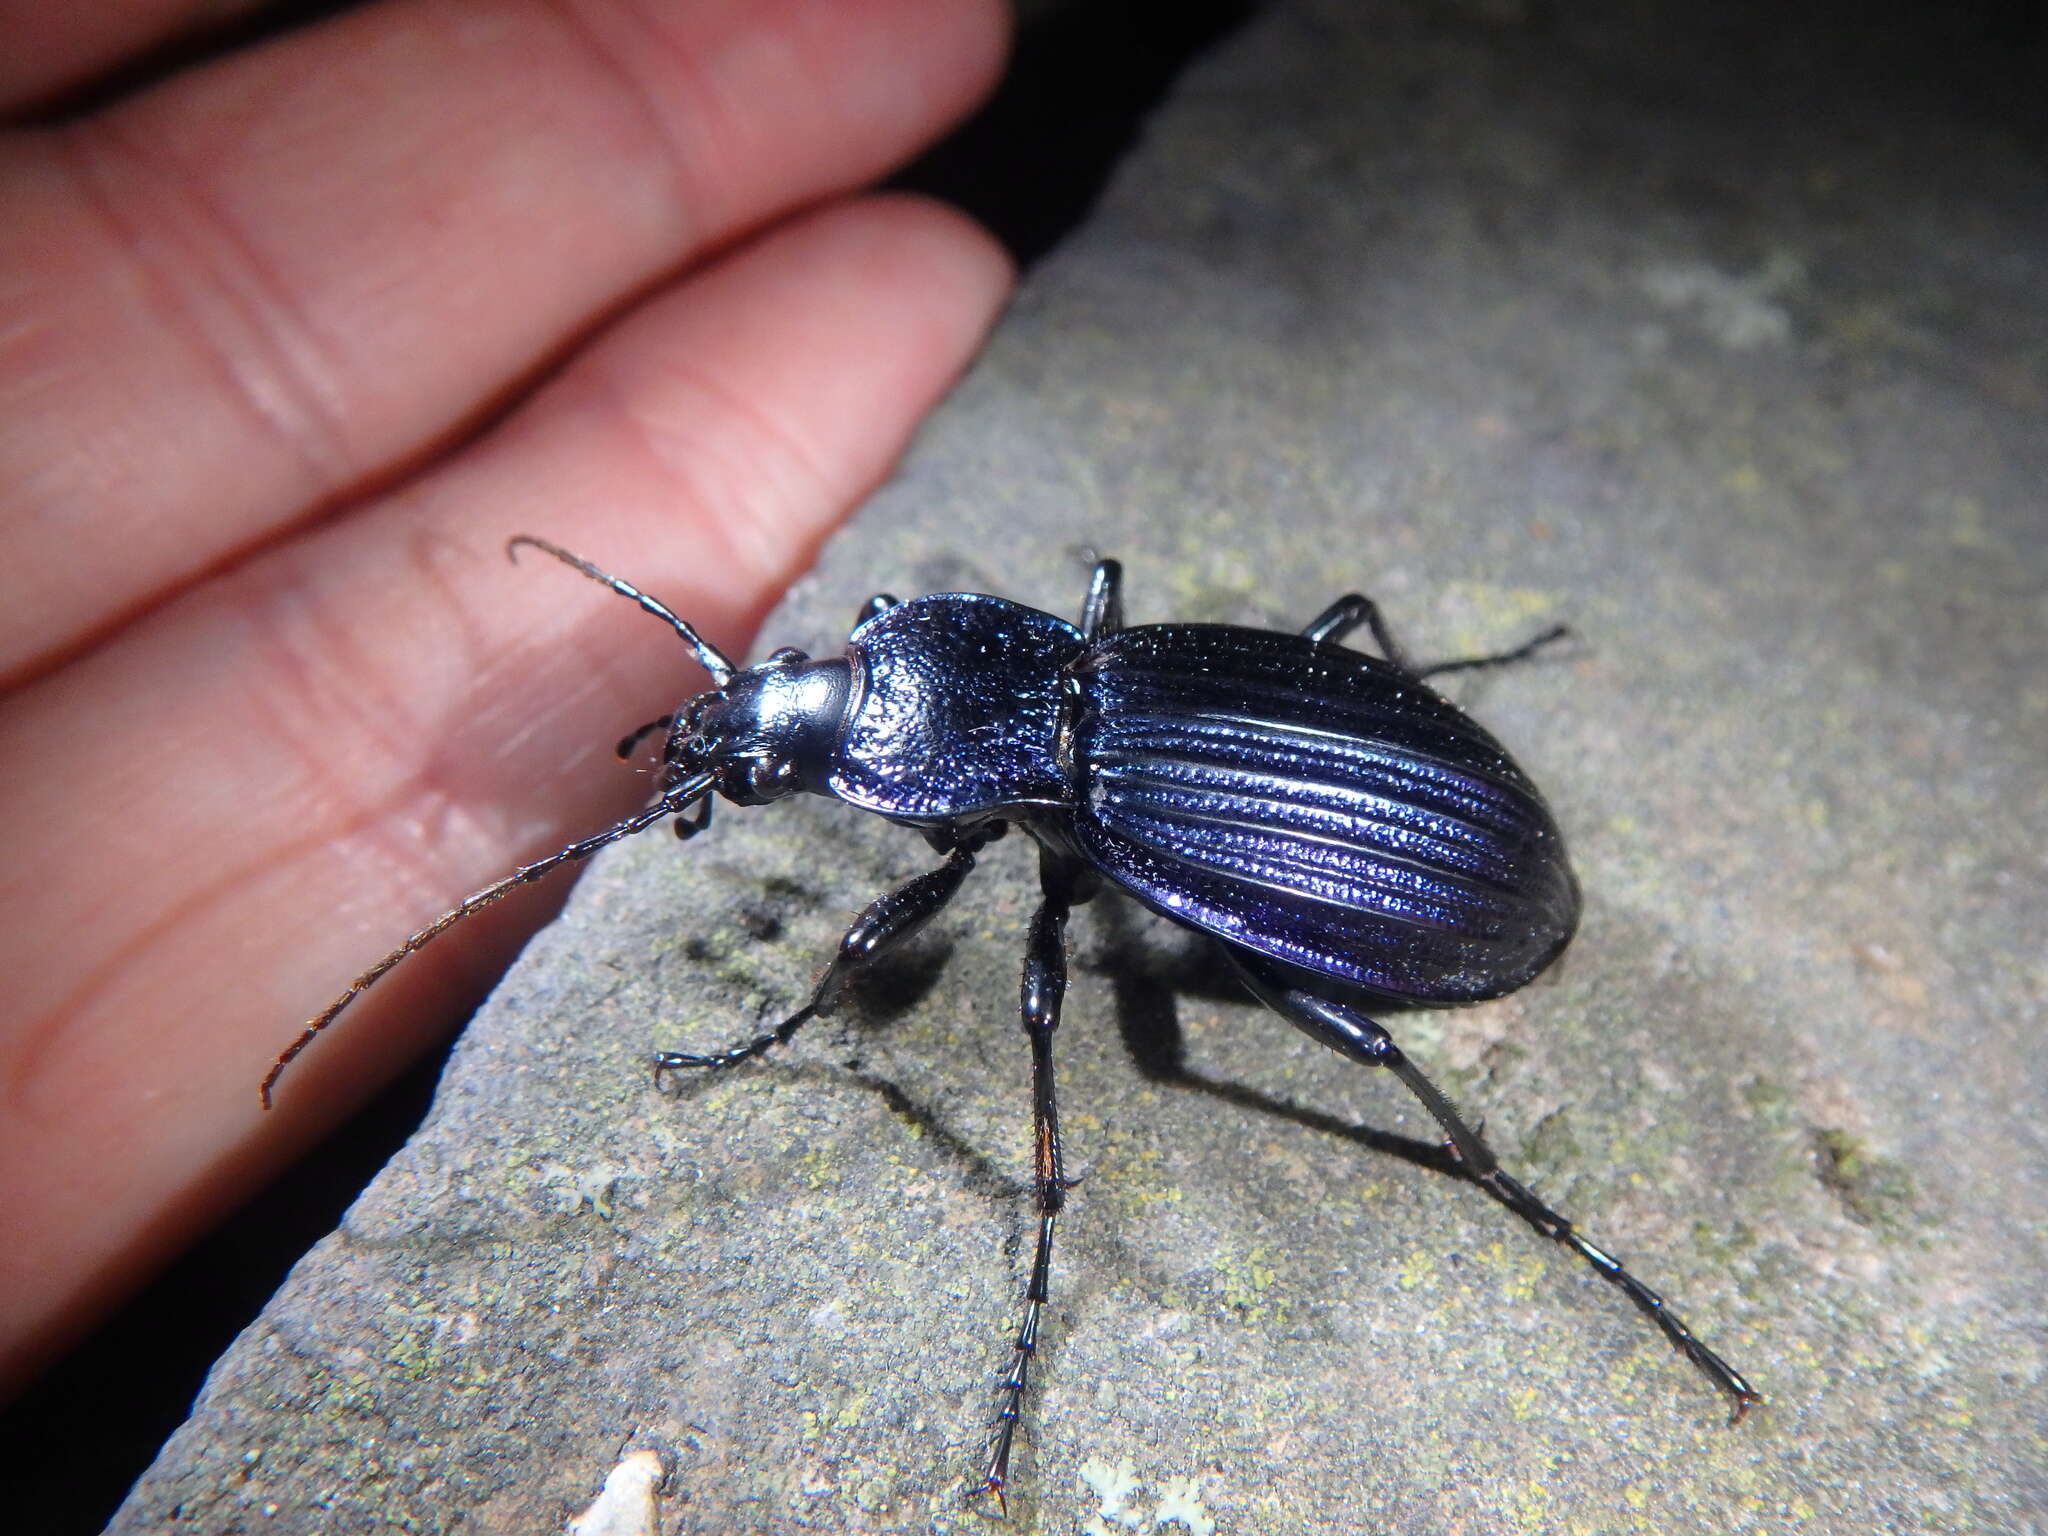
point(1736, 359)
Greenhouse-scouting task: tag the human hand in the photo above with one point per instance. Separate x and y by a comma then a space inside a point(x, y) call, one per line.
point(289, 345)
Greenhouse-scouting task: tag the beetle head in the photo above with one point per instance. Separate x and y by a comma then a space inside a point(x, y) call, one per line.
point(766, 732)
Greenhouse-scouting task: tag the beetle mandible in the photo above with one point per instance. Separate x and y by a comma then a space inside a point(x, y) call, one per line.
point(1348, 836)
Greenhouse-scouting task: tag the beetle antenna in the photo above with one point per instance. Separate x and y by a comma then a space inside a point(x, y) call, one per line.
point(708, 654)
point(676, 800)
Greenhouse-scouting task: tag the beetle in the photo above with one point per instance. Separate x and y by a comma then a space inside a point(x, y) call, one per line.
point(1349, 837)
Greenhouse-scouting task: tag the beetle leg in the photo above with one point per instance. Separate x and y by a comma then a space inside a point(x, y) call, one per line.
point(1353, 609)
point(1044, 986)
point(1103, 612)
point(688, 827)
point(1349, 1032)
point(638, 734)
point(1345, 615)
point(948, 835)
point(886, 923)
point(1521, 652)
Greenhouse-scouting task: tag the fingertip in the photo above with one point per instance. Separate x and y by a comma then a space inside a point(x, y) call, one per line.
point(984, 32)
point(961, 271)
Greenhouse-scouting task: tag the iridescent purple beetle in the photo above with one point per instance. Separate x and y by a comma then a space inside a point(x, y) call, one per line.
point(1349, 837)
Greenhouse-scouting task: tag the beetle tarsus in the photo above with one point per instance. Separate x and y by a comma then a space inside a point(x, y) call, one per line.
point(1522, 652)
point(1517, 1197)
point(684, 1061)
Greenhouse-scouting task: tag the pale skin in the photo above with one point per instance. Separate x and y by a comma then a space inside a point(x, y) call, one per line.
point(290, 344)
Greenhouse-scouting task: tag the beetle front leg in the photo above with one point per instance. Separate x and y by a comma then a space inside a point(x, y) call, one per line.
point(1345, 1030)
point(885, 924)
point(639, 733)
point(1044, 987)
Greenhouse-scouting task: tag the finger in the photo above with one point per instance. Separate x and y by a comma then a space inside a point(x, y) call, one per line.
point(224, 814)
point(50, 47)
point(251, 292)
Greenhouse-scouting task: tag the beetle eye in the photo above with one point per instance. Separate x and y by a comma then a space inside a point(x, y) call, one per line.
point(770, 778)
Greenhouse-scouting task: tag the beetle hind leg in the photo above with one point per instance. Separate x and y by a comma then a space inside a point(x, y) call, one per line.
point(1353, 610)
point(1349, 1032)
point(1522, 652)
point(1345, 615)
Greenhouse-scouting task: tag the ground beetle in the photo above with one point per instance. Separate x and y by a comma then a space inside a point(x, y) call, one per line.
point(1349, 837)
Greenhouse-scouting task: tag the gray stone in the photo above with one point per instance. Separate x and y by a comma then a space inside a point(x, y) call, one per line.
point(1737, 360)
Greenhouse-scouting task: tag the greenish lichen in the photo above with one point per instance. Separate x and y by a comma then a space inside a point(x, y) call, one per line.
point(1875, 1191)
